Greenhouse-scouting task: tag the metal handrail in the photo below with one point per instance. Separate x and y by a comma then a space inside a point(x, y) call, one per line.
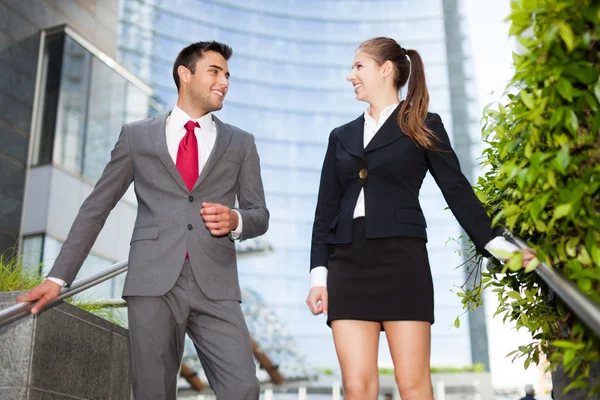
point(587, 311)
point(22, 310)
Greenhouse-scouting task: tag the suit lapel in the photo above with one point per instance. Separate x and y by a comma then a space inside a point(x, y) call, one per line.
point(158, 134)
point(352, 138)
point(387, 134)
point(221, 142)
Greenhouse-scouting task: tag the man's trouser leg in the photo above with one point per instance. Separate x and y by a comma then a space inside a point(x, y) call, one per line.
point(156, 335)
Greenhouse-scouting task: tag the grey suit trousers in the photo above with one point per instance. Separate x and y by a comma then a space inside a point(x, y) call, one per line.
point(157, 327)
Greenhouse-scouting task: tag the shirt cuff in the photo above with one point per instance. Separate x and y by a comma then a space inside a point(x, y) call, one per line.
point(56, 280)
point(237, 232)
point(318, 277)
point(499, 247)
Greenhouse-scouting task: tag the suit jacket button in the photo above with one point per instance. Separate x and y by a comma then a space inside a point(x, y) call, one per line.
point(191, 198)
point(190, 227)
point(363, 173)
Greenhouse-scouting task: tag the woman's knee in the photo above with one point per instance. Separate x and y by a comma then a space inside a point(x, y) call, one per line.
point(364, 386)
point(414, 386)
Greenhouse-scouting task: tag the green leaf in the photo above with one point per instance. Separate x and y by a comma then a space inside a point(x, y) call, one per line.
point(597, 90)
point(584, 257)
point(565, 89)
point(572, 246)
point(563, 159)
point(540, 225)
point(529, 296)
point(565, 344)
point(511, 210)
point(556, 117)
point(513, 294)
point(569, 356)
point(575, 385)
point(552, 178)
point(515, 264)
point(585, 285)
point(562, 211)
point(527, 99)
point(566, 33)
point(532, 264)
point(584, 72)
point(457, 322)
point(572, 122)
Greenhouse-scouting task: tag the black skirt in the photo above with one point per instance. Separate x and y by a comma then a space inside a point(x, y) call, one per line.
point(387, 279)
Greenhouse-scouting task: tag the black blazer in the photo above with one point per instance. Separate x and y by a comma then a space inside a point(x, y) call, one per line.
point(391, 170)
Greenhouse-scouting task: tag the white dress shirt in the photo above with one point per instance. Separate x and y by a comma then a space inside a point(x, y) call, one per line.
point(318, 275)
point(206, 136)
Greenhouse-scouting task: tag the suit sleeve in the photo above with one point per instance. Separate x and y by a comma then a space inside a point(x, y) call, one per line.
point(116, 178)
point(328, 206)
point(251, 195)
point(458, 192)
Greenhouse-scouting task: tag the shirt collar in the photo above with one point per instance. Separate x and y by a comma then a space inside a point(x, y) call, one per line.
point(179, 119)
point(383, 115)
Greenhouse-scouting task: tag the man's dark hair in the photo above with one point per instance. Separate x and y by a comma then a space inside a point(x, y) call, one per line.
point(189, 56)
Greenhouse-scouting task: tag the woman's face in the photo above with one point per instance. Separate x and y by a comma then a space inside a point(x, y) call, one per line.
point(366, 76)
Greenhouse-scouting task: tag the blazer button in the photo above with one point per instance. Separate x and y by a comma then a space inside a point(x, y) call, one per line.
point(190, 227)
point(191, 199)
point(363, 173)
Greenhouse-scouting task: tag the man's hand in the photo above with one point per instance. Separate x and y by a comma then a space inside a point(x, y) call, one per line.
point(43, 293)
point(317, 300)
point(219, 219)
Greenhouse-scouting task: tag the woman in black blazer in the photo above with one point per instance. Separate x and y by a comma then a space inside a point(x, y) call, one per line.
point(369, 264)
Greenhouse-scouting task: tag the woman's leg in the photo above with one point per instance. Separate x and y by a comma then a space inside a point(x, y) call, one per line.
point(410, 346)
point(357, 344)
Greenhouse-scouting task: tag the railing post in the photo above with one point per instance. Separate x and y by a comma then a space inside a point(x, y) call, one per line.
point(268, 394)
point(440, 390)
point(335, 391)
point(302, 393)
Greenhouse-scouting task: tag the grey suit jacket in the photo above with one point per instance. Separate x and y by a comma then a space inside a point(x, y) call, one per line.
point(168, 221)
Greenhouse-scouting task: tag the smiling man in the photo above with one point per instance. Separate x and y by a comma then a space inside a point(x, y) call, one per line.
point(187, 167)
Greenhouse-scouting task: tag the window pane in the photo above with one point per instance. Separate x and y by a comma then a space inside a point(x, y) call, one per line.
point(70, 123)
point(105, 118)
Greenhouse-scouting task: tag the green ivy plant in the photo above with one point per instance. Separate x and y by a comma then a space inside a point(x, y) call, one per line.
point(543, 179)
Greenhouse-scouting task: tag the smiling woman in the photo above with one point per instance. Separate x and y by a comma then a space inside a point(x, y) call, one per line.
point(369, 264)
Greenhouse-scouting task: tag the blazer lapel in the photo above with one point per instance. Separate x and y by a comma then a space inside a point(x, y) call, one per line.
point(352, 138)
point(387, 134)
point(221, 142)
point(158, 134)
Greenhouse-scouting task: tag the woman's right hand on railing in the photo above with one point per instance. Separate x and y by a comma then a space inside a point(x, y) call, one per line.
point(317, 300)
point(42, 294)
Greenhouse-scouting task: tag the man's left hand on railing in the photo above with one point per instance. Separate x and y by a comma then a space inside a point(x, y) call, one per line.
point(42, 294)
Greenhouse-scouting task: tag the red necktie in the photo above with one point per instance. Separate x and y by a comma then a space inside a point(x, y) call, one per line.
point(187, 155)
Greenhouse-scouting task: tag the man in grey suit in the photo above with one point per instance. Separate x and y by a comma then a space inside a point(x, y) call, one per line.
point(188, 168)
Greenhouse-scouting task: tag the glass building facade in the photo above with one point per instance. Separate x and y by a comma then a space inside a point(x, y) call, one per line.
point(288, 88)
point(83, 102)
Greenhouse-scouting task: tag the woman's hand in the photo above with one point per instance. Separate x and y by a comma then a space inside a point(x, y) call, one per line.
point(317, 300)
point(529, 260)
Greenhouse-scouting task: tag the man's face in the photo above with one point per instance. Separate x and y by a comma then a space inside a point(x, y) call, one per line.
point(209, 83)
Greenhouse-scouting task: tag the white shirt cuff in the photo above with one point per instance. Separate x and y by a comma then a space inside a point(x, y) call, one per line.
point(56, 280)
point(318, 277)
point(500, 248)
point(237, 232)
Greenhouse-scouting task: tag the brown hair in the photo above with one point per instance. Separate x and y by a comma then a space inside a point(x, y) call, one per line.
point(189, 56)
point(413, 111)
